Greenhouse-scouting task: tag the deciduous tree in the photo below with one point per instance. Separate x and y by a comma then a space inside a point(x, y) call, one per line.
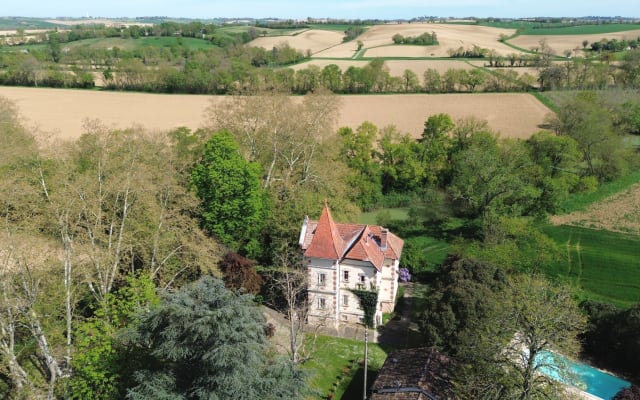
point(229, 187)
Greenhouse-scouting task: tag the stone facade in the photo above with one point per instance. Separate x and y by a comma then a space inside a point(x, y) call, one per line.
point(342, 257)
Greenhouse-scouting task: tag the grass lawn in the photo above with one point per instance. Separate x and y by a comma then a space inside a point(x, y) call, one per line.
point(604, 265)
point(335, 366)
point(371, 217)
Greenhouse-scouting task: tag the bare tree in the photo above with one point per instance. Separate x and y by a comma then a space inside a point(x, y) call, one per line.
point(289, 285)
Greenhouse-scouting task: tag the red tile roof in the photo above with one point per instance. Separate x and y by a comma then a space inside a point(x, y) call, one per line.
point(326, 239)
point(326, 242)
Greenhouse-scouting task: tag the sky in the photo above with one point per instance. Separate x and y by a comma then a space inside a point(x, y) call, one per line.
point(301, 9)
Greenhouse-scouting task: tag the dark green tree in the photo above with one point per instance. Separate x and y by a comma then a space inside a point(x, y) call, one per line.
point(232, 200)
point(206, 342)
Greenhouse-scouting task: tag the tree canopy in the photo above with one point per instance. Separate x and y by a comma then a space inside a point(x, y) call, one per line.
point(233, 202)
point(205, 342)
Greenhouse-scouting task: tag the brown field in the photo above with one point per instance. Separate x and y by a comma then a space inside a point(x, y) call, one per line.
point(561, 43)
point(396, 67)
point(619, 213)
point(60, 113)
point(314, 40)
point(449, 36)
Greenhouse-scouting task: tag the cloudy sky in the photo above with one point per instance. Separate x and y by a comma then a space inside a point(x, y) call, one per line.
point(383, 9)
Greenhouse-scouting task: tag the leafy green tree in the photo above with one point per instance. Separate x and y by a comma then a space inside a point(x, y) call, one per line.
point(358, 152)
point(205, 342)
point(410, 81)
point(465, 293)
point(400, 162)
point(101, 365)
point(500, 329)
point(589, 122)
point(432, 81)
point(491, 177)
point(233, 202)
point(535, 323)
point(558, 165)
point(435, 146)
point(331, 77)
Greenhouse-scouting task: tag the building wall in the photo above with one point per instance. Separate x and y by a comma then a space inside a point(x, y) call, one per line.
point(361, 275)
point(322, 288)
point(340, 304)
point(389, 285)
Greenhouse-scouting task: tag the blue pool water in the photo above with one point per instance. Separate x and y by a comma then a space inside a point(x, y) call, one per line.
point(582, 376)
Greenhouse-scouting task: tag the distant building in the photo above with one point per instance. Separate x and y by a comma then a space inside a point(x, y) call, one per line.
point(342, 257)
point(414, 374)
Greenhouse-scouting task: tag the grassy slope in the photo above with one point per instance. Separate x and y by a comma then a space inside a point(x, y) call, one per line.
point(605, 265)
point(581, 201)
point(333, 357)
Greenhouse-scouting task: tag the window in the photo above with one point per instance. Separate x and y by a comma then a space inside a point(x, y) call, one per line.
point(362, 279)
point(345, 275)
point(321, 303)
point(322, 279)
point(345, 300)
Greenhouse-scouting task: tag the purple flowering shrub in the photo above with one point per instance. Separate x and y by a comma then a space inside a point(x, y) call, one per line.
point(404, 275)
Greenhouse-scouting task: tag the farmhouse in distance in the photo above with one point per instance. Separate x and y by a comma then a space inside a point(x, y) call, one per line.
point(341, 258)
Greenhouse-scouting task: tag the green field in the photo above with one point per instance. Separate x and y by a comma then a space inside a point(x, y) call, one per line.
point(582, 29)
point(559, 28)
point(604, 266)
point(335, 366)
point(12, 23)
point(133, 44)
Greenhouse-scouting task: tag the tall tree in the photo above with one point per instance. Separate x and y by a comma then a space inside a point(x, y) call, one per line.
point(538, 322)
point(232, 200)
point(492, 177)
point(587, 120)
point(357, 150)
point(436, 144)
point(205, 342)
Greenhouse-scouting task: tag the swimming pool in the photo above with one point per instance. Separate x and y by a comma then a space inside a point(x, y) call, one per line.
point(582, 376)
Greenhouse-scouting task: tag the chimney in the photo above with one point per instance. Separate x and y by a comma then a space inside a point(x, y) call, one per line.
point(383, 238)
point(303, 231)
